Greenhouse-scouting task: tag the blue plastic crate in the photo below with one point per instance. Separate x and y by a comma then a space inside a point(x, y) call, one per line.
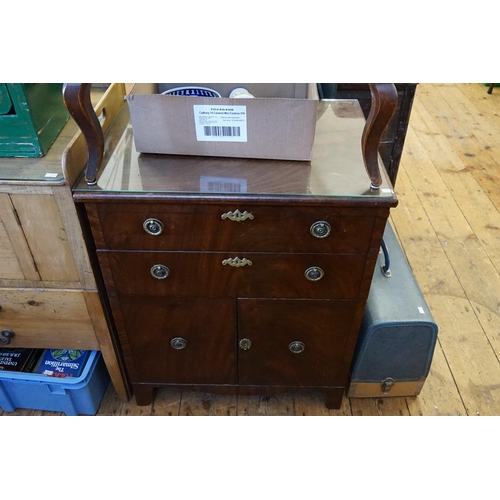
point(73, 396)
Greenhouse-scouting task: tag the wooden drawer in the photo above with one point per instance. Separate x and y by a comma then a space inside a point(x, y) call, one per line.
point(195, 274)
point(47, 319)
point(202, 227)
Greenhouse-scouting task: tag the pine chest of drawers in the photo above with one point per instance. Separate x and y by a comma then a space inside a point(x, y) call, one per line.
point(238, 276)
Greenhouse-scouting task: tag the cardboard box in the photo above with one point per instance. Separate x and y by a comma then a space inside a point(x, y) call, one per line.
point(279, 123)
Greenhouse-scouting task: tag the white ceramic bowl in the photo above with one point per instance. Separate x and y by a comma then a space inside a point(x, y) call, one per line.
point(192, 92)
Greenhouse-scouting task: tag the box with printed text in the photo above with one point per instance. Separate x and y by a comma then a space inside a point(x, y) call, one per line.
point(62, 362)
point(278, 122)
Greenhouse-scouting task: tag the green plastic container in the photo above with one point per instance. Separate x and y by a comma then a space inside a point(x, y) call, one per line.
point(31, 117)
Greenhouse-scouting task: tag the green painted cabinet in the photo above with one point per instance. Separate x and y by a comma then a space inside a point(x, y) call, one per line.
point(31, 117)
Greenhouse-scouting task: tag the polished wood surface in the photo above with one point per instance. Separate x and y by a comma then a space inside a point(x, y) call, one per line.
point(384, 103)
point(208, 298)
point(393, 139)
point(75, 155)
point(77, 99)
point(193, 226)
point(384, 99)
point(337, 167)
point(208, 327)
point(272, 325)
point(203, 274)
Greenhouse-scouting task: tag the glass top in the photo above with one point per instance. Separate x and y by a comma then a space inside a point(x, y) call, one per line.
point(337, 167)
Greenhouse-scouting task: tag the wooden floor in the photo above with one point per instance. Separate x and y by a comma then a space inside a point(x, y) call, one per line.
point(448, 223)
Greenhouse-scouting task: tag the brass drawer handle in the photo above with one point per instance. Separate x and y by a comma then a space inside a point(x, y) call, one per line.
point(160, 272)
point(237, 262)
point(245, 344)
point(5, 336)
point(314, 273)
point(297, 346)
point(320, 229)
point(237, 216)
point(154, 227)
point(178, 343)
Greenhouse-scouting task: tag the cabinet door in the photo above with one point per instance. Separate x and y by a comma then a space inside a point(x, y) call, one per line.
point(180, 341)
point(293, 342)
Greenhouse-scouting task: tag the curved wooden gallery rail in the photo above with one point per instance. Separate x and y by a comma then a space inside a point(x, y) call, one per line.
point(384, 102)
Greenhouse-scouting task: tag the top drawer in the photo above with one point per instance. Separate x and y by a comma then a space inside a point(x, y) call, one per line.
point(243, 227)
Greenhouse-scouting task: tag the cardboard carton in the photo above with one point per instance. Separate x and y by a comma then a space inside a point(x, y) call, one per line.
point(279, 123)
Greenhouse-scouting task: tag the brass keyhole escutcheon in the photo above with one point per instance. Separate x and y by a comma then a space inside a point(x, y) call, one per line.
point(154, 227)
point(245, 344)
point(178, 343)
point(297, 346)
point(237, 216)
point(159, 271)
point(314, 273)
point(237, 262)
point(320, 229)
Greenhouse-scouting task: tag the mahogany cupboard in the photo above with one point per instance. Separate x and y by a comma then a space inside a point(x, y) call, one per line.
point(237, 275)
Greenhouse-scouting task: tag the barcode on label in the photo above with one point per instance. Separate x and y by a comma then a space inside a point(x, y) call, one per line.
point(220, 123)
point(209, 184)
point(219, 131)
point(224, 187)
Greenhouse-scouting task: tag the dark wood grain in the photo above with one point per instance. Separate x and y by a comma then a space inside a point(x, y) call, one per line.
point(213, 306)
point(77, 100)
point(272, 229)
point(384, 103)
point(271, 325)
point(86, 226)
point(393, 139)
point(207, 325)
point(202, 274)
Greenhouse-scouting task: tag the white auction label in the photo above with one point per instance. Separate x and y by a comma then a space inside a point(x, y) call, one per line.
point(220, 123)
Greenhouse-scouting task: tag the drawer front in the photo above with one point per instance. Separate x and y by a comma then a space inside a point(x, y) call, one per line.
point(218, 274)
point(46, 319)
point(293, 342)
point(180, 341)
point(235, 228)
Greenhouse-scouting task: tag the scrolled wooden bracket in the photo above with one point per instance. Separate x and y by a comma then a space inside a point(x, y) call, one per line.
point(384, 103)
point(77, 100)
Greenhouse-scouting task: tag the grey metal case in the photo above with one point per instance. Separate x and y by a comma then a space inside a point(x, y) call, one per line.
point(398, 333)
